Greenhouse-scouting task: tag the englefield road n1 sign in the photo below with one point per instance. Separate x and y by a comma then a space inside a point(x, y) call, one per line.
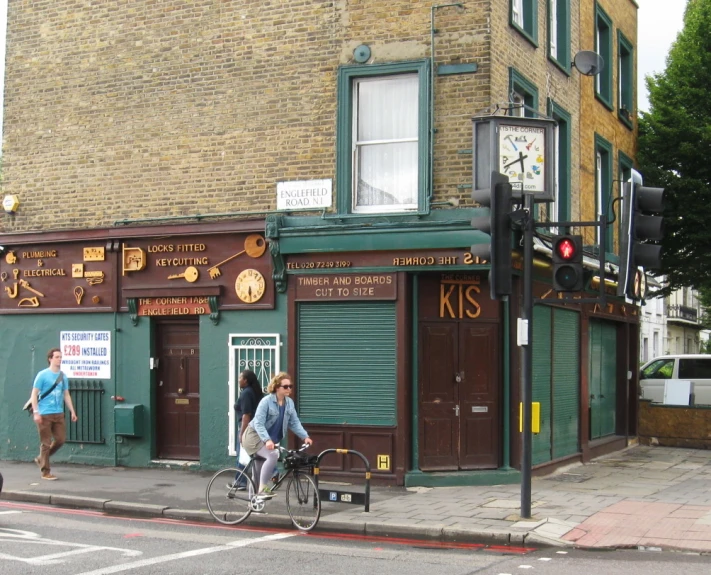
point(304, 195)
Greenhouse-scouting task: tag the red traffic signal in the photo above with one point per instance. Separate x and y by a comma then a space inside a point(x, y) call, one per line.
point(566, 248)
point(567, 259)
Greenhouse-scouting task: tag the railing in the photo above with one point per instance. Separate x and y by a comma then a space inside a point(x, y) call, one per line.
point(87, 399)
point(682, 312)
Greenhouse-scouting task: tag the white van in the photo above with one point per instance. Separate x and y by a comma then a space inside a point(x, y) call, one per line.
point(693, 368)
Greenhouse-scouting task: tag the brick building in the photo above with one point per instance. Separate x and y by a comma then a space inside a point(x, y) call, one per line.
point(163, 154)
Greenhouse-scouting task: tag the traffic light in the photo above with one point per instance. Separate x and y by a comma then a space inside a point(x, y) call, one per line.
point(567, 263)
point(498, 226)
point(642, 230)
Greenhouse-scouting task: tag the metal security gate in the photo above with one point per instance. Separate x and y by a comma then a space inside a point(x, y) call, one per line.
point(257, 352)
point(556, 382)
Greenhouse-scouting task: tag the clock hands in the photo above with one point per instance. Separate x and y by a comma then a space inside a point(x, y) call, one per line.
point(520, 158)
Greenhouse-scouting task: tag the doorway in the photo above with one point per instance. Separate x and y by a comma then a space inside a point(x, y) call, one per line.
point(459, 394)
point(178, 389)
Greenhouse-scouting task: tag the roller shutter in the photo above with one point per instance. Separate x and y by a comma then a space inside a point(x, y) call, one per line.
point(346, 359)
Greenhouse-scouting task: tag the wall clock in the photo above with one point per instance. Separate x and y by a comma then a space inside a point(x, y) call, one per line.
point(250, 286)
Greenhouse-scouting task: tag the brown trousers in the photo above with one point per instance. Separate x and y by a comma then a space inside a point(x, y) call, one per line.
point(52, 426)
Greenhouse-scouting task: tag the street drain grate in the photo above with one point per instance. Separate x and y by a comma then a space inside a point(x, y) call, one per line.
point(569, 478)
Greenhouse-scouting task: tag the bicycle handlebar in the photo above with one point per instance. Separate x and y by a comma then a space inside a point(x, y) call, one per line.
point(284, 450)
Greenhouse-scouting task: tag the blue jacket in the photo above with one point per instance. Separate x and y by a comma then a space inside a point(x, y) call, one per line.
point(268, 412)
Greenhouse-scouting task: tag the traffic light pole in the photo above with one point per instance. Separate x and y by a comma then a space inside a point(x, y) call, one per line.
point(526, 342)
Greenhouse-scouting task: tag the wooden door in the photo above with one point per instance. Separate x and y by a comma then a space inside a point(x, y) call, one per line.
point(459, 396)
point(178, 390)
point(479, 396)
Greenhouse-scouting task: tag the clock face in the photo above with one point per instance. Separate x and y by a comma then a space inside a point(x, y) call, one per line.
point(522, 157)
point(250, 286)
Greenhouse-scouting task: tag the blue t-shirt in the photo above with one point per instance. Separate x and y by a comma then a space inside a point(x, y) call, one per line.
point(275, 431)
point(54, 402)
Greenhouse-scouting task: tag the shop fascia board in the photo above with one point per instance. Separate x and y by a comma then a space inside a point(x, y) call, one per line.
point(313, 234)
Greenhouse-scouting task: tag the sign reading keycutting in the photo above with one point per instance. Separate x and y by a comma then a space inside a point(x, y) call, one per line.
point(86, 354)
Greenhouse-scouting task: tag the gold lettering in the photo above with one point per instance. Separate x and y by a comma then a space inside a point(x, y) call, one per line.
point(471, 300)
point(159, 248)
point(444, 300)
point(468, 258)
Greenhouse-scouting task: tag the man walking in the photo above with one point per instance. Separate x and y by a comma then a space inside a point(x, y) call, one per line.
point(49, 394)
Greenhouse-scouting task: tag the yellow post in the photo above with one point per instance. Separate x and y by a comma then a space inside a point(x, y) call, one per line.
point(535, 417)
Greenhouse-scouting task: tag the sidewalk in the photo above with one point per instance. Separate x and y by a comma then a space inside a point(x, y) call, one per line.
point(641, 497)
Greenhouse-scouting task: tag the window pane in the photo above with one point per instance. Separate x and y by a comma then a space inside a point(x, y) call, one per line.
point(387, 108)
point(388, 174)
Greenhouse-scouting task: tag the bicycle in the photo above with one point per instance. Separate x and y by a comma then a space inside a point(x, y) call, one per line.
point(231, 505)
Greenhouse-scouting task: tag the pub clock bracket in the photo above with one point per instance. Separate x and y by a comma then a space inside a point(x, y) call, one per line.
point(523, 149)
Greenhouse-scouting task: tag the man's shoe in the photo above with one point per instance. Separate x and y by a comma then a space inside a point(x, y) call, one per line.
point(37, 461)
point(49, 477)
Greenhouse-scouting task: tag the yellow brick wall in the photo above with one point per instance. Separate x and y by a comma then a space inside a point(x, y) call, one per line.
point(128, 109)
point(597, 118)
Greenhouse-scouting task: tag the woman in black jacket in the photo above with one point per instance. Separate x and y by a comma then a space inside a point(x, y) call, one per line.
point(249, 397)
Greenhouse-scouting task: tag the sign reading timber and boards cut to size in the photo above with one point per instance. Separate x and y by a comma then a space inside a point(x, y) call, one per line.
point(86, 354)
point(304, 195)
point(346, 287)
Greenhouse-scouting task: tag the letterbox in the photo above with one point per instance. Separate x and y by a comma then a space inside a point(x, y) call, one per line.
point(129, 419)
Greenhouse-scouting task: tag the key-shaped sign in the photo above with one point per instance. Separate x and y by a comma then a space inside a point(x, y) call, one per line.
point(254, 246)
point(190, 274)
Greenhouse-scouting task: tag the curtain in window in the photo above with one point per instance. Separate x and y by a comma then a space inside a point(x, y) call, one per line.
point(386, 147)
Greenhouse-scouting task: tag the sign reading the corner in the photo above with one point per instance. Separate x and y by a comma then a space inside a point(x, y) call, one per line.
point(86, 354)
point(346, 287)
point(304, 195)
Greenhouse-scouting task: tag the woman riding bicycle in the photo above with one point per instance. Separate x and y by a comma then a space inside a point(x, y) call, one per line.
point(275, 415)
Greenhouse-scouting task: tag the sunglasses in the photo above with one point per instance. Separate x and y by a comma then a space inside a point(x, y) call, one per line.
point(286, 386)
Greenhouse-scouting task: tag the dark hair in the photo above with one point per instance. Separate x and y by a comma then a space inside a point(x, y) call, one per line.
point(51, 352)
point(253, 382)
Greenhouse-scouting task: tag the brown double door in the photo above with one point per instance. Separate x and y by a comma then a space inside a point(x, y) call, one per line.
point(458, 395)
point(178, 390)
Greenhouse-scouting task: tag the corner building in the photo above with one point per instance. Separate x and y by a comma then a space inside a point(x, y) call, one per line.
point(206, 187)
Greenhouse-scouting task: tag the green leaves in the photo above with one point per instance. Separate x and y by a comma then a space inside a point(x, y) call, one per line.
point(675, 150)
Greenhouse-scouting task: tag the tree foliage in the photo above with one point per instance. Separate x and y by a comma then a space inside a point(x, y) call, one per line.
point(675, 150)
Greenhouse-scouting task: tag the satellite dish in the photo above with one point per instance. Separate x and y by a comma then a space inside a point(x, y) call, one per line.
point(589, 63)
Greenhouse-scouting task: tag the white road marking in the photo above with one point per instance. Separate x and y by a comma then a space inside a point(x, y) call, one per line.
point(9, 512)
point(54, 558)
point(544, 558)
point(187, 554)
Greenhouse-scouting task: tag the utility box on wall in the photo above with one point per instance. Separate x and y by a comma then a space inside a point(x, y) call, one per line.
point(129, 419)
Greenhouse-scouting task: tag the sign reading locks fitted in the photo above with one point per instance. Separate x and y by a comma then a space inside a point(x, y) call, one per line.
point(86, 354)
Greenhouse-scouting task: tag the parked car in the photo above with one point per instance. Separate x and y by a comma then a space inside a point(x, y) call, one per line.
point(693, 368)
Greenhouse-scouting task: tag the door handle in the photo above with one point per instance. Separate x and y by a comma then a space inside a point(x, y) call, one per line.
point(458, 377)
point(456, 410)
point(180, 390)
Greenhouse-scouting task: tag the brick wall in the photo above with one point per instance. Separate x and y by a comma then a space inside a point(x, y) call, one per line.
point(127, 109)
point(596, 118)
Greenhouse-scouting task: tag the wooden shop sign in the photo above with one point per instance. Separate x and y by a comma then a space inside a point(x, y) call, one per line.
point(346, 287)
point(169, 306)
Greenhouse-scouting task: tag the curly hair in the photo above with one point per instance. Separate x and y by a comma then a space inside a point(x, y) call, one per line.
point(276, 381)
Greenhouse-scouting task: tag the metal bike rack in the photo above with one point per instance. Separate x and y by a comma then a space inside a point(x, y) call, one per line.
point(340, 496)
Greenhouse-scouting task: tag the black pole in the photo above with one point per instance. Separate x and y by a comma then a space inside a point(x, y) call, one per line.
point(526, 342)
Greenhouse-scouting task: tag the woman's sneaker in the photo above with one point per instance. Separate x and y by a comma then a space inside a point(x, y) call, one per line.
point(265, 493)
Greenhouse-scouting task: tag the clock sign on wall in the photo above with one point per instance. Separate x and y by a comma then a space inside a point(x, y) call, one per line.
point(520, 148)
point(250, 286)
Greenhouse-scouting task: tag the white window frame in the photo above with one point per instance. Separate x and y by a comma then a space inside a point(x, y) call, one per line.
point(554, 28)
point(258, 352)
point(357, 145)
point(517, 13)
point(598, 188)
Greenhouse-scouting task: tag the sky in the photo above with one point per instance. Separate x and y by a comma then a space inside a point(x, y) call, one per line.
point(659, 22)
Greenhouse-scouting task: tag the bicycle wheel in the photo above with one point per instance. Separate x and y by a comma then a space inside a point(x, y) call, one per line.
point(303, 501)
point(226, 503)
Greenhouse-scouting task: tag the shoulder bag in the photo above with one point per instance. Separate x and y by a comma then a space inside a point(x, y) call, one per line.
point(28, 405)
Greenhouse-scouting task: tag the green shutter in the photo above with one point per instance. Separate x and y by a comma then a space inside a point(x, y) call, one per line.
point(566, 382)
point(608, 403)
point(541, 449)
point(347, 357)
